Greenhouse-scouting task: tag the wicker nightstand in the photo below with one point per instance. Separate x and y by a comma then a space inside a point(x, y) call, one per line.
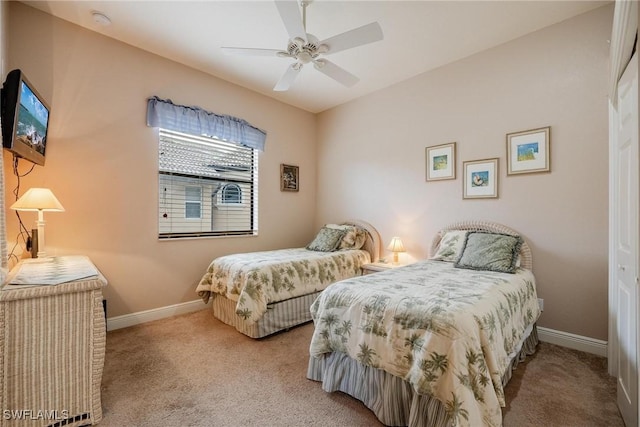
point(375, 267)
point(52, 346)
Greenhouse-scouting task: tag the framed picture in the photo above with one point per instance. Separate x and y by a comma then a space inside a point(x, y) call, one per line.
point(441, 162)
point(480, 179)
point(528, 151)
point(289, 178)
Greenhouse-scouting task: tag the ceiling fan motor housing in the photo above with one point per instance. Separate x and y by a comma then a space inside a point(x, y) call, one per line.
point(307, 51)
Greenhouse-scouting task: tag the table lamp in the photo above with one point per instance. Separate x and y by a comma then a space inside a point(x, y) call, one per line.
point(40, 200)
point(396, 246)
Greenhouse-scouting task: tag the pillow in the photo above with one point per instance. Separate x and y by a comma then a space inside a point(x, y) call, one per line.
point(450, 246)
point(354, 237)
point(327, 240)
point(355, 240)
point(340, 226)
point(490, 251)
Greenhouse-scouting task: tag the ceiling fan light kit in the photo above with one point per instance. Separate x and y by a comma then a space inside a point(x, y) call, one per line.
point(305, 48)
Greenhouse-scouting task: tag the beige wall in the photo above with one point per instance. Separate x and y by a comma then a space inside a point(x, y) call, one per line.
point(3, 68)
point(3, 37)
point(371, 160)
point(102, 159)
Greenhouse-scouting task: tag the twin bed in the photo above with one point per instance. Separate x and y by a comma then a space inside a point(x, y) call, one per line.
point(261, 293)
point(428, 344)
point(432, 343)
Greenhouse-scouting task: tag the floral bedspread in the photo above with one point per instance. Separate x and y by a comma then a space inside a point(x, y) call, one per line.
point(256, 279)
point(449, 332)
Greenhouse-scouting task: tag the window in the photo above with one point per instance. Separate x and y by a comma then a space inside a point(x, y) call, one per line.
point(231, 193)
point(193, 202)
point(207, 187)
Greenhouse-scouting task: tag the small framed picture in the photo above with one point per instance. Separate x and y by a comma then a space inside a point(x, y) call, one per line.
point(480, 179)
point(441, 162)
point(289, 178)
point(529, 151)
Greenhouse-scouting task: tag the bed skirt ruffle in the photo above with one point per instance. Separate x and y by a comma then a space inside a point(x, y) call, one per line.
point(279, 316)
point(392, 399)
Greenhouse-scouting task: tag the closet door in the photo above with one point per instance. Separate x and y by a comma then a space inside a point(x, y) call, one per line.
point(625, 198)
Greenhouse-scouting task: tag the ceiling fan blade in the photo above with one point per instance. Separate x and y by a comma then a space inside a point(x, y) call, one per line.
point(290, 14)
point(357, 37)
point(339, 74)
point(287, 78)
point(250, 51)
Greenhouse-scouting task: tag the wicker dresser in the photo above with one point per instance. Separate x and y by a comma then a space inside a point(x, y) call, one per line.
point(52, 346)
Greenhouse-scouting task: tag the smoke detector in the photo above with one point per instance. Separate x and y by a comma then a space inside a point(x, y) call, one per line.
point(100, 18)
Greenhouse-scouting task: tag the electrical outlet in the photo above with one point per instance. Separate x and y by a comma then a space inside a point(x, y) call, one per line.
point(541, 304)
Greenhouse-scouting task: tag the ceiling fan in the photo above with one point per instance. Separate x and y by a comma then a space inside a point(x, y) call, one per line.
point(306, 48)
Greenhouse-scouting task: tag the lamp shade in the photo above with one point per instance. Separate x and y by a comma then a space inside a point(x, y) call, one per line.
point(396, 245)
point(38, 199)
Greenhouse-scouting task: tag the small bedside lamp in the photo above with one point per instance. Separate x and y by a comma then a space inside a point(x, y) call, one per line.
point(396, 246)
point(40, 200)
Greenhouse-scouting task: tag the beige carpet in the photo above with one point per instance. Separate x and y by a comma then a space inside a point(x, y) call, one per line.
point(192, 370)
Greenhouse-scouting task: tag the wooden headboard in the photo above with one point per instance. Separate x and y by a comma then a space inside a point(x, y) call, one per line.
point(526, 260)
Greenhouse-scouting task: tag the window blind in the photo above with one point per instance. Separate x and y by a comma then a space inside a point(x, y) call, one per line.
point(207, 187)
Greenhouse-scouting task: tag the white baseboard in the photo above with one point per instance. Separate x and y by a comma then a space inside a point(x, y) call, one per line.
point(576, 342)
point(564, 339)
point(139, 317)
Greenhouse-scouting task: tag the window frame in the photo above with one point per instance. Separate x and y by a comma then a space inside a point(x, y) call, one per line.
point(188, 202)
point(237, 199)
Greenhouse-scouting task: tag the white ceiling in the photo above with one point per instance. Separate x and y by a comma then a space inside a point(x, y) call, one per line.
point(418, 36)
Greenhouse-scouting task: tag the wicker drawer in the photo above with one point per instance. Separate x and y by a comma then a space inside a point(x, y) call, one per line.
point(52, 346)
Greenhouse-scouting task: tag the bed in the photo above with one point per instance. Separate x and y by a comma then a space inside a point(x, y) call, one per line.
point(260, 293)
point(432, 343)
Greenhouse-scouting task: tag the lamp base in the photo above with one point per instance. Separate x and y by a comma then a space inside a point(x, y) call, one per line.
point(395, 258)
point(34, 243)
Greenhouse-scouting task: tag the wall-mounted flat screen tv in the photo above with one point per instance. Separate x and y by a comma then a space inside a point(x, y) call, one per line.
point(25, 118)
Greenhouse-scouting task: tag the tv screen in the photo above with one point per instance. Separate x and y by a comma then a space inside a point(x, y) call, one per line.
point(25, 118)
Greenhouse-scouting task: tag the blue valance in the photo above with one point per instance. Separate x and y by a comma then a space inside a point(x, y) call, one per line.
point(196, 121)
